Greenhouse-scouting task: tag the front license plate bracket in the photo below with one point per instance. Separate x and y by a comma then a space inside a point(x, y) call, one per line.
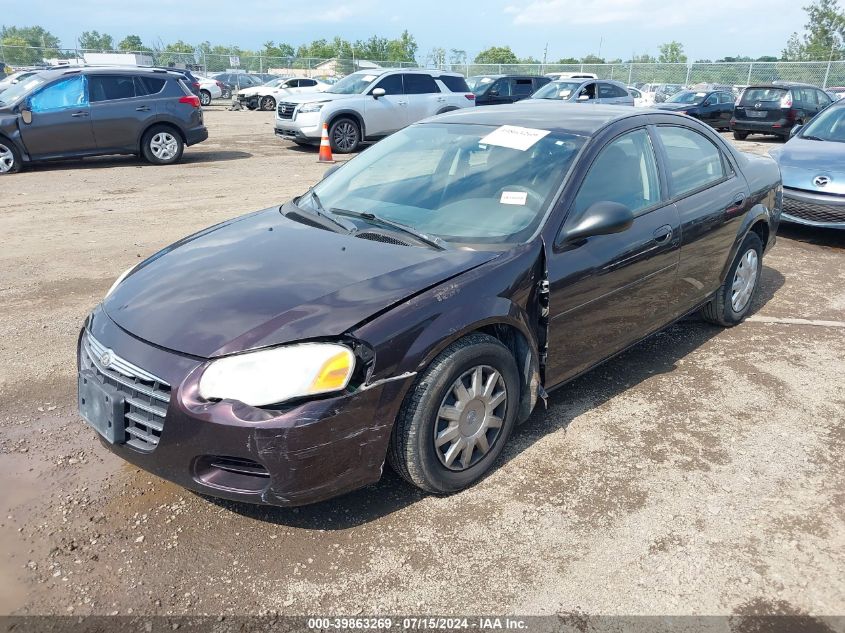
point(102, 407)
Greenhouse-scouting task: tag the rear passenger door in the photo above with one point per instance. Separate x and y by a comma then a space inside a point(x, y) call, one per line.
point(118, 114)
point(521, 88)
point(423, 96)
point(711, 199)
point(613, 95)
point(389, 112)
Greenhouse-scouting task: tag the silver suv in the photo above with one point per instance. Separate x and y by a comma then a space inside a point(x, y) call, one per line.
point(370, 104)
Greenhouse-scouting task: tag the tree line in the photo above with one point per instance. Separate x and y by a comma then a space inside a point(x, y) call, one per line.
point(822, 40)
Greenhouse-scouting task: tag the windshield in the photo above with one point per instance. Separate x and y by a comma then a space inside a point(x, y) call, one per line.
point(470, 184)
point(479, 83)
point(688, 97)
point(557, 90)
point(274, 82)
point(827, 125)
point(21, 89)
point(353, 84)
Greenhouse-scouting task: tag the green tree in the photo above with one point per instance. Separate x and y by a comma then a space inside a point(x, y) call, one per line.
point(672, 53)
point(645, 58)
point(823, 37)
point(457, 56)
point(568, 60)
point(436, 57)
point(95, 41)
point(131, 43)
point(592, 59)
point(27, 45)
point(497, 55)
point(402, 49)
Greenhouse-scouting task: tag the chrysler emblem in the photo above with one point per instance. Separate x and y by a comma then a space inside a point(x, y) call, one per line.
point(106, 359)
point(821, 181)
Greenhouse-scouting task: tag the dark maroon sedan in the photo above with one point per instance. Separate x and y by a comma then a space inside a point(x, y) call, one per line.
point(415, 304)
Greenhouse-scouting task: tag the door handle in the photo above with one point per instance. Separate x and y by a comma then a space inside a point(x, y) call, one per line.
point(662, 234)
point(143, 108)
point(76, 115)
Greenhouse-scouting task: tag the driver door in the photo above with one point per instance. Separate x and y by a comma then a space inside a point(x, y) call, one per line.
point(608, 291)
point(61, 120)
point(388, 113)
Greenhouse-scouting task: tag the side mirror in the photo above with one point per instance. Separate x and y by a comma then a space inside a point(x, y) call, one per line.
point(795, 130)
point(378, 92)
point(330, 171)
point(601, 218)
point(26, 114)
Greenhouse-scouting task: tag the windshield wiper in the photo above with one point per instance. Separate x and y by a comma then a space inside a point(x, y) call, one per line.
point(320, 211)
point(431, 240)
point(810, 137)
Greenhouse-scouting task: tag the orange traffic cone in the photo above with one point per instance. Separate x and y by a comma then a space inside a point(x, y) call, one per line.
point(325, 147)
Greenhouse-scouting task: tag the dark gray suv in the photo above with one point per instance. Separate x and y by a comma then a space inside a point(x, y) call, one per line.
point(80, 112)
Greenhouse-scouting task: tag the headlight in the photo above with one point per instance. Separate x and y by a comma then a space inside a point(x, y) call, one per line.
point(119, 279)
point(275, 375)
point(310, 107)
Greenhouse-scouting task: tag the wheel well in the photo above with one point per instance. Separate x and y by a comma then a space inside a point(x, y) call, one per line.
point(159, 124)
point(526, 363)
point(349, 115)
point(447, 109)
point(761, 228)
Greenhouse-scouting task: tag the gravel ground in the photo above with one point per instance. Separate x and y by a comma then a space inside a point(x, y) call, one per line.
point(698, 473)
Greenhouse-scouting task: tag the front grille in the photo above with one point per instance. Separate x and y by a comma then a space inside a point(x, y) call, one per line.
point(812, 211)
point(381, 237)
point(145, 396)
point(285, 110)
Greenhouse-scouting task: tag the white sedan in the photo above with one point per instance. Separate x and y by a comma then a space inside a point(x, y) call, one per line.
point(209, 89)
point(265, 96)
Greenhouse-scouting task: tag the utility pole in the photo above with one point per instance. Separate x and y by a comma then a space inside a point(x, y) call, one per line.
point(545, 55)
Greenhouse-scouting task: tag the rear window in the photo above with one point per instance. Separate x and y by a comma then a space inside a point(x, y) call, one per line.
point(419, 84)
point(148, 86)
point(454, 83)
point(753, 95)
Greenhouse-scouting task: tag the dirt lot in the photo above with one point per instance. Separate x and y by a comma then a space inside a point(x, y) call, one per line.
point(701, 472)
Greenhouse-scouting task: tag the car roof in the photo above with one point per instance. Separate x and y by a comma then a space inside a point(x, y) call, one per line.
point(783, 85)
point(105, 70)
point(583, 120)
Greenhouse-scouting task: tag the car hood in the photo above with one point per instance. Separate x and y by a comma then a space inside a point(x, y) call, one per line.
point(675, 107)
point(263, 280)
point(255, 90)
point(802, 160)
point(308, 97)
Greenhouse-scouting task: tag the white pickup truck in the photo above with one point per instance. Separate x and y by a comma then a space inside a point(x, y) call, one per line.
point(370, 104)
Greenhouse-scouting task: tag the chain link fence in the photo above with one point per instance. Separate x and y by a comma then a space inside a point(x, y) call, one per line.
point(822, 74)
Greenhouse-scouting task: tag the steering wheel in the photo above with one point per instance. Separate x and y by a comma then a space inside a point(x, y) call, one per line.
point(533, 196)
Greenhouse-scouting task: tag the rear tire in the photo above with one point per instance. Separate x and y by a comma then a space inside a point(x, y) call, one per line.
point(734, 299)
point(740, 136)
point(10, 157)
point(205, 97)
point(344, 135)
point(162, 145)
point(447, 436)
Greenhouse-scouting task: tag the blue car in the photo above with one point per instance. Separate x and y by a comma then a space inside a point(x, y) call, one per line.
point(812, 165)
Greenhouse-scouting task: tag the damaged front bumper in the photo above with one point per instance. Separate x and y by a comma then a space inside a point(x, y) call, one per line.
point(305, 453)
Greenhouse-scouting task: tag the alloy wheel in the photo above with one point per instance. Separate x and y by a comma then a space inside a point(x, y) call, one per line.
point(470, 418)
point(164, 146)
point(345, 136)
point(7, 159)
point(205, 98)
point(745, 280)
point(268, 103)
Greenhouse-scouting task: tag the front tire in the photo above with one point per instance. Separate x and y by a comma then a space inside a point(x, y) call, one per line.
point(456, 420)
point(344, 135)
point(740, 136)
point(268, 104)
point(205, 97)
point(10, 157)
point(162, 145)
point(734, 299)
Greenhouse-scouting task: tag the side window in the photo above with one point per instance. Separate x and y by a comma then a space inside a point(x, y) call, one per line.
point(502, 88)
point(110, 87)
point(693, 161)
point(522, 87)
point(420, 84)
point(307, 83)
point(606, 91)
point(823, 98)
point(148, 86)
point(725, 97)
point(625, 172)
point(808, 96)
point(66, 93)
point(392, 85)
point(588, 91)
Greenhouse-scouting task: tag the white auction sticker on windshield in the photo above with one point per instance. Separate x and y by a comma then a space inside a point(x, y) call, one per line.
point(514, 137)
point(514, 197)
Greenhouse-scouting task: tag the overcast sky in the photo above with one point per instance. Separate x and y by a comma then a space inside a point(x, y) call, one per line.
point(572, 28)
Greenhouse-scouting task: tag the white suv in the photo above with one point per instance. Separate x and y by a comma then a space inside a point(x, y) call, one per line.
point(370, 104)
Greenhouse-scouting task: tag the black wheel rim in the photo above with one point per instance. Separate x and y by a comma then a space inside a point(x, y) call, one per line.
point(268, 104)
point(345, 135)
